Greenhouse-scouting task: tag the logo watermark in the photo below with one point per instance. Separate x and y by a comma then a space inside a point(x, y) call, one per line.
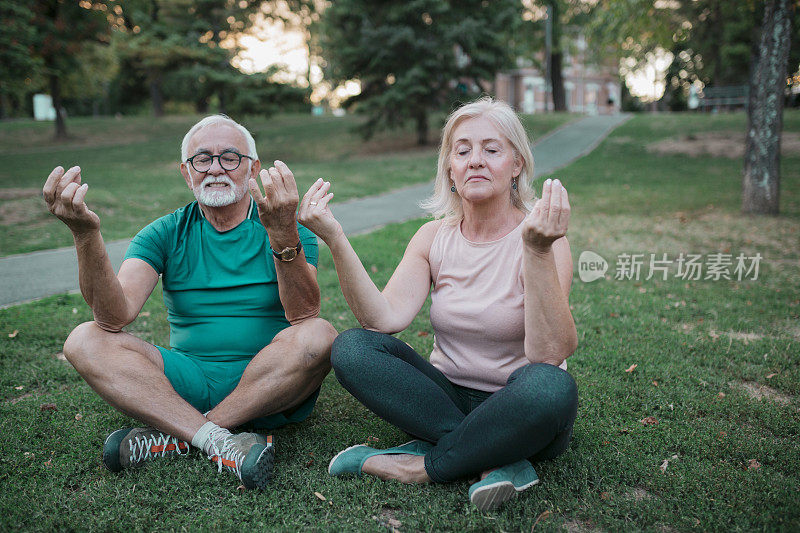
point(591, 266)
point(690, 267)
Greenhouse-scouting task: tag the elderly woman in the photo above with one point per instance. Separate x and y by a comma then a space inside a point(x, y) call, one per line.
point(495, 394)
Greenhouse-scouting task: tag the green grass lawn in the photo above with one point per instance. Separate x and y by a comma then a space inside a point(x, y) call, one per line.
point(717, 369)
point(131, 167)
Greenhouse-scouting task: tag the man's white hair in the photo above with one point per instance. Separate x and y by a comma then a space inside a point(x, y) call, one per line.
point(218, 119)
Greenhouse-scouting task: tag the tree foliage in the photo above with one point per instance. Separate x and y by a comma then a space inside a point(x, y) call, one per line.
point(165, 37)
point(416, 57)
point(19, 65)
point(712, 41)
point(61, 31)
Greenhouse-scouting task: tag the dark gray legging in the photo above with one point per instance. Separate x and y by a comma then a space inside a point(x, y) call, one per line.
point(531, 417)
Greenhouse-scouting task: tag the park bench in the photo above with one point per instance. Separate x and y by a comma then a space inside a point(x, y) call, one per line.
point(727, 97)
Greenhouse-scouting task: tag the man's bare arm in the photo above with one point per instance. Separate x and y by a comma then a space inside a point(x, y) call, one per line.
point(297, 280)
point(115, 301)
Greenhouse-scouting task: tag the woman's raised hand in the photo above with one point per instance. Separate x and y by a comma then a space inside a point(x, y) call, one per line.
point(549, 218)
point(315, 214)
point(64, 195)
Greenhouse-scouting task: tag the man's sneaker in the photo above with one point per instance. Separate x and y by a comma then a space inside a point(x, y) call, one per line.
point(133, 447)
point(248, 455)
point(502, 484)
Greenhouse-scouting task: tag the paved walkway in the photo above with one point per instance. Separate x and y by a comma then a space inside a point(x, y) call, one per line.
point(27, 277)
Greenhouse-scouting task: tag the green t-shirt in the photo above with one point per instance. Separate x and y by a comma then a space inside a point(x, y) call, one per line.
point(220, 288)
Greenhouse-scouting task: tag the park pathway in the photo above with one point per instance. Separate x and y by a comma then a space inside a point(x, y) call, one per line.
point(30, 276)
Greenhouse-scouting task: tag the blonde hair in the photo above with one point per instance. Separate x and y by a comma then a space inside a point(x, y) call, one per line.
point(444, 203)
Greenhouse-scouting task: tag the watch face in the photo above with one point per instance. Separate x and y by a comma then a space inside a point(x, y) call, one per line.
point(288, 254)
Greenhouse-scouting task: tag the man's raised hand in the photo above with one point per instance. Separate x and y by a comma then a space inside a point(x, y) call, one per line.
point(277, 206)
point(549, 218)
point(64, 195)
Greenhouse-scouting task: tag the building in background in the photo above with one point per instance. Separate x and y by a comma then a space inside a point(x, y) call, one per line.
point(589, 88)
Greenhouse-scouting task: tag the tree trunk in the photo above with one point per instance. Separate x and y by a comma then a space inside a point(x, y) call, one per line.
point(223, 101)
point(557, 82)
point(201, 104)
point(5, 106)
point(55, 94)
point(422, 128)
point(761, 181)
point(156, 95)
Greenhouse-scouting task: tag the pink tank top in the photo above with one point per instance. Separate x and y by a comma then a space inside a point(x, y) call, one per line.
point(477, 309)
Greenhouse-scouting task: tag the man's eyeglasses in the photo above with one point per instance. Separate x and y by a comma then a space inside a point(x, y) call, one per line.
point(228, 160)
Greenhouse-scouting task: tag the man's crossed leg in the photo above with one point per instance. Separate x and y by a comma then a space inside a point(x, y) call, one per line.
point(129, 374)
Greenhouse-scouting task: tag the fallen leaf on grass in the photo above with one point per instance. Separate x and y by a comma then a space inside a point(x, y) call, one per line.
point(753, 465)
point(544, 516)
point(74, 310)
point(373, 268)
point(655, 383)
point(631, 368)
point(48, 463)
point(28, 455)
point(649, 421)
point(19, 387)
point(144, 313)
point(48, 407)
point(665, 464)
point(78, 417)
point(320, 496)
point(605, 496)
point(721, 395)
point(372, 439)
point(770, 376)
point(392, 524)
point(13, 334)
point(422, 334)
point(241, 488)
point(60, 356)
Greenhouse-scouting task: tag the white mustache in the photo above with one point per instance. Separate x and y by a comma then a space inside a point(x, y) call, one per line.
point(217, 179)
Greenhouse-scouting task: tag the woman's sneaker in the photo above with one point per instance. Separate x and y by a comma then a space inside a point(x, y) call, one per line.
point(249, 456)
point(133, 447)
point(502, 484)
point(352, 459)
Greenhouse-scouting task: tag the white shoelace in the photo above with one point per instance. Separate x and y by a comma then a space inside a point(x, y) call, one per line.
point(141, 447)
point(228, 454)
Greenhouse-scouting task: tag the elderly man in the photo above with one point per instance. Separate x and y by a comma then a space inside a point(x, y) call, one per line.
point(240, 286)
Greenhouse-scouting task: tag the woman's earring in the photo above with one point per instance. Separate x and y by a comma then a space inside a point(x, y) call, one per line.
point(453, 188)
point(514, 185)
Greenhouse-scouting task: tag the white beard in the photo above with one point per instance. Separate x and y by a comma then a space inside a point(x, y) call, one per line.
point(213, 197)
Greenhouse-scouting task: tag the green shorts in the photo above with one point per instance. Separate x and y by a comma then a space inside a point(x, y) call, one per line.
point(205, 383)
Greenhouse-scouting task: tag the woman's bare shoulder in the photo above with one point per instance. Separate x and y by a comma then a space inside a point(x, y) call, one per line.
point(423, 239)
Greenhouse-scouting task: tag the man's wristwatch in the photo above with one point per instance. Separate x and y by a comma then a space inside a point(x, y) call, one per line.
point(288, 254)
